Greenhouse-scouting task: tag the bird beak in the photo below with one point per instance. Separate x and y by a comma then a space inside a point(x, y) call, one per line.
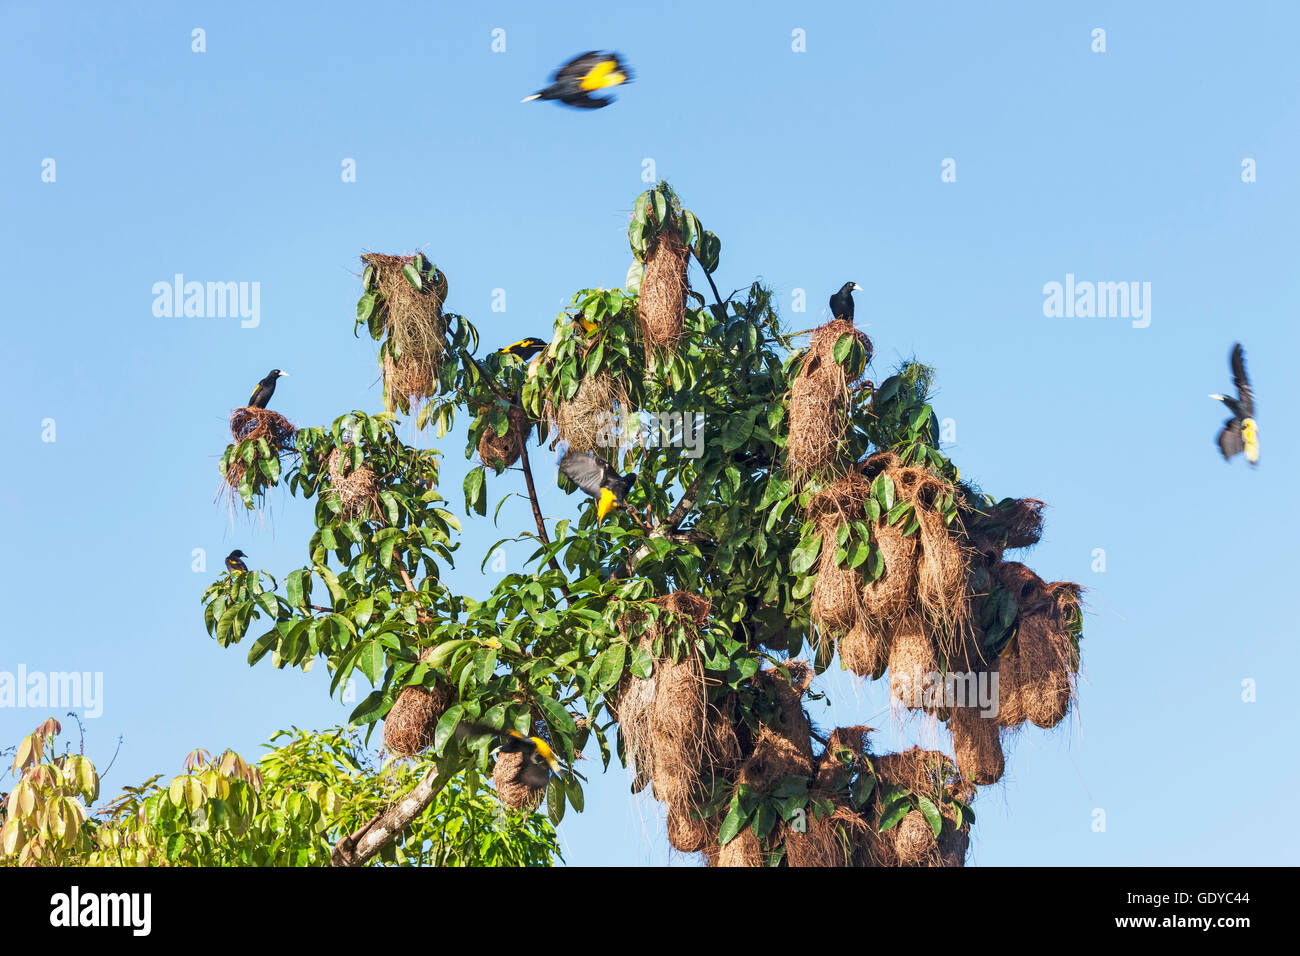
point(283, 375)
point(856, 287)
point(1217, 398)
point(535, 96)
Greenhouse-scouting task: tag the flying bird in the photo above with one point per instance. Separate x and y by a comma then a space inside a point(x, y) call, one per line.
point(842, 301)
point(265, 389)
point(235, 561)
point(1239, 432)
point(598, 478)
point(573, 83)
point(539, 760)
point(525, 348)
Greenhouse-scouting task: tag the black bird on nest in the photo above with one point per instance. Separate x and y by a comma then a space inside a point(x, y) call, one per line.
point(265, 389)
point(573, 83)
point(1239, 432)
point(235, 561)
point(842, 301)
point(539, 760)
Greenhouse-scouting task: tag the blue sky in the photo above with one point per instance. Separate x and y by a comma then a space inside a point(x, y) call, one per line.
point(814, 168)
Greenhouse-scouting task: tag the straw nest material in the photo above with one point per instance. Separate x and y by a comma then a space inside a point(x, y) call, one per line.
point(662, 302)
point(833, 840)
point(895, 590)
point(508, 447)
point(586, 420)
point(836, 601)
point(511, 790)
point(1036, 679)
point(851, 742)
point(931, 774)
point(742, 850)
point(865, 649)
point(409, 726)
point(416, 330)
point(942, 569)
point(911, 662)
point(250, 424)
point(977, 745)
point(1023, 518)
point(353, 488)
point(819, 401)
point(687, 834)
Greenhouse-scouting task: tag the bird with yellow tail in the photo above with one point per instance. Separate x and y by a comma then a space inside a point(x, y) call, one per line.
point(530, 349)
point(1239, 433)
point(539, 759)
point(598, 478)
point(573, 83)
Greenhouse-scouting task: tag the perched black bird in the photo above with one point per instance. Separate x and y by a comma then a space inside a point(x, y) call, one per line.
point(1239, 432)
point(842, 301)
point(573, 83)
point(265, 389)
point(235, 561)
point(598, 478)
point(525, 348)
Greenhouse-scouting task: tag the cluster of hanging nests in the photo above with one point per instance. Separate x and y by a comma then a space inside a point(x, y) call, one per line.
point(253, 424)
point(686, 748)
point(924, 620)
point(585, 420)
point(415, 327)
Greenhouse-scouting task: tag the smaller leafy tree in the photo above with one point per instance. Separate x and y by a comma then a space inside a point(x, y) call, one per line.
point(289, 809)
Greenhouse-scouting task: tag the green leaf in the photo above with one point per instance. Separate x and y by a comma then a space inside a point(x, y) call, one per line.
point(883, 490)
point(412, 275)
point(371, 662)
point(932, 815)
point(894, 813)
point(842, 346)
point(555, 799)
point(737, 430)
point(805, 553)
point(732, 825)
point(661, 207)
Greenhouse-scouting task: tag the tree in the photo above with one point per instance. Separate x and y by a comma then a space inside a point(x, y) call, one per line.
point(289, 809)
point(819, 513)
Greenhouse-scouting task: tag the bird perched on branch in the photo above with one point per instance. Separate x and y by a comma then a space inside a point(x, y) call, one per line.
point(265, 389)
point(1239, 432)
point(842, 301)
point(598, 478)
point(573, 83)
point(235, 561)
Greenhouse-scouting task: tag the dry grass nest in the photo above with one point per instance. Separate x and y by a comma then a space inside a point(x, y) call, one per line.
point(1037, 677)
point(409, 726)
point(911, 659)
point(250, 424)
point(911, 842)
point(508, 447)
point(818, 404)
point(353, 488)
point(585, 420)
point(662, 300)
point(836, 597)
point(416, 330)
point(511, 791)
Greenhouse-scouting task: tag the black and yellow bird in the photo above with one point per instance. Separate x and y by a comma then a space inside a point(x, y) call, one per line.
point(1239, 432)
point(525, 348)
point(842, 301)
point(265, 389)
point(598, 478)
point(235, 561)
point(573, 83)
point(539, 760)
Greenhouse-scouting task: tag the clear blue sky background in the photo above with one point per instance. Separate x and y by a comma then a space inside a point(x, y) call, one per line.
point(814, 168)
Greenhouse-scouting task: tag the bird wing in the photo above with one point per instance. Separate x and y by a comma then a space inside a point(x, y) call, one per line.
point(1245, 395)
point(593, 70)
point(585, 101)
point(1230, 440)
point(258, 391)
point(577, 68)
point(585, 471)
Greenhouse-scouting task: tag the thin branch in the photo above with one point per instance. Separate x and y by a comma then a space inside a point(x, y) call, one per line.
point(537, 512)
point(665, 530)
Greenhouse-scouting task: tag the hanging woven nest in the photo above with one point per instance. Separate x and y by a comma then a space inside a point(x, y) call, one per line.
point(503, 451)
point(354, 489)
point(819, 402)
point(662, 300)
